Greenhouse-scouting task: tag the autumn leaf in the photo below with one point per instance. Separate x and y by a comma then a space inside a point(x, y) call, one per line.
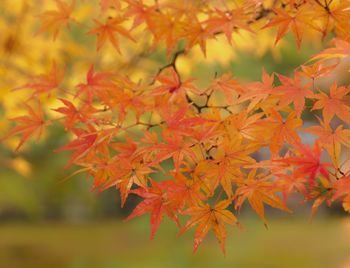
point(175, 147)
point(228, 86)
point(258, 191)
point(331, 139)
point(183, 191)
point(156, 202)
point(195, 34)
point(96, 83)
point(341, 49)
point(227, 22)
point(82, 145)
point(243, 126)
point(29, 125)
point(307, 162)
point(165, 27)
point(44, 83)
point(317, 70)
point(257, 92)
point(107, 32)
point(210, 217)
point(75, 115)
point(286, 21)
point(279, 130)
point(128, 174)
point(293, 91)
point(54, 20)
point(171, 84)
point(139, 11)
point(334, 104)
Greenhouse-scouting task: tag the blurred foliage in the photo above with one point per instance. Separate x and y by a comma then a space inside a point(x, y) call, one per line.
point(289, 243)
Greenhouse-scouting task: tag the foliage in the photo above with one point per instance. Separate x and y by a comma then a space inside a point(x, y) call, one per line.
point(125, 130)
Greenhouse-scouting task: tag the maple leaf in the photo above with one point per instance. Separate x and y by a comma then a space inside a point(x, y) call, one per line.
point(292, 90)
point(279, 130)
point(296, 22)
point(126, 173)
point(341, 49)
point(54, 20)
point(82, 145)
point(87, 144)
point(341, 188)
point(29, 125)
point(194, 33)
point(156, 202)
point(206, 132)
point(334, 15)
point(177, 121)
point(258, 191)
point(210, 217)
point(227, 22)
point(96, 84)
point(317, 70)
point(140, 12)
point(75, 115)
point(228, 86)
point(128, 148)
point(257, 92)
point(242, 126)
point(175, 146)
point(44, 83)
point(331, 139)
point(291, 183)
point(308, 163)
point(108, 32)
point(165, 26)
point(334, 104)
point(229, 157)
point(183, 191)
point(172, 84)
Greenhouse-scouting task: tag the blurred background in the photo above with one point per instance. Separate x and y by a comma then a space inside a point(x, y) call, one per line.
point(45, 222)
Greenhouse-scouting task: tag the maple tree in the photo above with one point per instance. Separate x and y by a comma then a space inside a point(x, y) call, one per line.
point(124, 131)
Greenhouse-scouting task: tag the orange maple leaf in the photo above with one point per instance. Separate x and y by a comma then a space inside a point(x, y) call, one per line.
point(172, 84)
point(227, 22)
point(54, 20)
point(331, 139)
point(140, 12)
point(44, 83)
point(258, 190)
point(157, 203)
point(257, 92)
point(108, 32)
point(195, 33)
point(228, 86)
point(210, 217)
point(96, 83)
point(296, 22)
point(341, 49)
point(279, 130)
point(167, 27)
point(293, 91)
point(75, 115)
point(307, 162)
point(334, 104)
point(30, 124)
